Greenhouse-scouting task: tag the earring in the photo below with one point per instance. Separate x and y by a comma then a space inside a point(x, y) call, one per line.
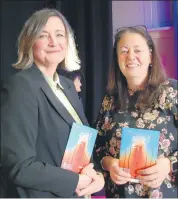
point(150, 65)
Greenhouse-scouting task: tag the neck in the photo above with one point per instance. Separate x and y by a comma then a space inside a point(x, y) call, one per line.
point(136, 84)
point(47, 70)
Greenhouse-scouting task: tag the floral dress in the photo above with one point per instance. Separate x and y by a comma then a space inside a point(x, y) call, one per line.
point(162, 117)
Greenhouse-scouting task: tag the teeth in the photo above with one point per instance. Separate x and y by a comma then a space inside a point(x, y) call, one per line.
point(132, 65)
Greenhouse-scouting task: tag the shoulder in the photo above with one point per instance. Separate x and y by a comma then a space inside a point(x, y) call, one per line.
point(170, 83)
point(173, 82)
point(24, 75)
point(19, 84)
point(168, 94)
point(169, 88)
point(18, 90)
point(30, 77)
point(18, 79)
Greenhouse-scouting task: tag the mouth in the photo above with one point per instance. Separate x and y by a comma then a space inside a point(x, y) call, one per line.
point(131, 65)
point(54, 51)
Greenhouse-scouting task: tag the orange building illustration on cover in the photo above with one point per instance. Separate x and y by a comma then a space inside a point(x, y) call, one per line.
point(139, 148)
point(80, 157)
point(79, 148)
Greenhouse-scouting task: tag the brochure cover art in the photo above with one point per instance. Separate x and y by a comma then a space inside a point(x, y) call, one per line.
point(139, 149)
point(79, 147)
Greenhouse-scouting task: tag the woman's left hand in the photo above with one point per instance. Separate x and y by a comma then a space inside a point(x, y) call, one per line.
point(155, 175)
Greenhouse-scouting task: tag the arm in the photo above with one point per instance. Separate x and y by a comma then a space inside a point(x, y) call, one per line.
point(19, 131)
point(172, 99)
point(173, 157)
point(167, 164)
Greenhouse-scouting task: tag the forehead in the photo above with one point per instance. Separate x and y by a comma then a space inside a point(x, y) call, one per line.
point(54, 23)
point(132, 39)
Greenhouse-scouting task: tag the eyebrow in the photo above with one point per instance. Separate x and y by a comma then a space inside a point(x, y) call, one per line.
point(127, 46)
point(137, 46)
point(44, 31)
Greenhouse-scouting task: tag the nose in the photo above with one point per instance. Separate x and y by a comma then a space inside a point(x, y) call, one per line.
point(52, 41)
point(131, 54)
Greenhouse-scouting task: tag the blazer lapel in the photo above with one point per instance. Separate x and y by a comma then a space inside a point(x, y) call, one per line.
point(55, 102)
point(73, 99)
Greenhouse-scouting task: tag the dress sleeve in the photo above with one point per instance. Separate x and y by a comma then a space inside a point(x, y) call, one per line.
point(102, 125)
point(170, 107)
point(174, 109)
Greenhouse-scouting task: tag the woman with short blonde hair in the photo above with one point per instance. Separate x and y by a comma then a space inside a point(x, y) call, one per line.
point(39, 110)
point(30, 32)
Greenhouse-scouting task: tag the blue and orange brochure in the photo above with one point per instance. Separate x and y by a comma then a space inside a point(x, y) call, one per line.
point(139, 149)
point(79, 147)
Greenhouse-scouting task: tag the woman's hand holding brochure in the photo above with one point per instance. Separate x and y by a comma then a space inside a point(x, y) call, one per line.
point(97, 181)
point(155, 175)
point(119, 175)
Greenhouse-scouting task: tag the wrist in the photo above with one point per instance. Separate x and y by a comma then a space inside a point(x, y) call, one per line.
point(107, 162)
point(113, 161)
point(79, 182)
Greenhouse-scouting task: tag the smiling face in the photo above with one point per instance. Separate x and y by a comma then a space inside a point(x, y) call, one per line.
point(134, 56)
point(50, 46)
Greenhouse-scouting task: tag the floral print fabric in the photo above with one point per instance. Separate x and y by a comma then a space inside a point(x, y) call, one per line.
point(163, 117)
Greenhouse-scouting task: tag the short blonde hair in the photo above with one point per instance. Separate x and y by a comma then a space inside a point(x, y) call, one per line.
point(29, 33)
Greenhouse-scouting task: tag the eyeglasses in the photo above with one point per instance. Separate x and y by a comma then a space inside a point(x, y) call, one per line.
point(138, 27)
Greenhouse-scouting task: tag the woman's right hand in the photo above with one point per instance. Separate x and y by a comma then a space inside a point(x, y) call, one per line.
point(84, 181)
point(117, 174)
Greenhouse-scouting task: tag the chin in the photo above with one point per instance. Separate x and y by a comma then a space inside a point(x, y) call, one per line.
point(55, 61)
point(132, 76)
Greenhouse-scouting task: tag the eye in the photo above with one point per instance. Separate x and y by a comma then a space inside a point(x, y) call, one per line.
point(123, 51)
point(59, 35)
point(43, 36)
point(137, 51)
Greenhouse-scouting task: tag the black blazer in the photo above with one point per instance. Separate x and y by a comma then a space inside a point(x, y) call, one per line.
point(34, 131)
